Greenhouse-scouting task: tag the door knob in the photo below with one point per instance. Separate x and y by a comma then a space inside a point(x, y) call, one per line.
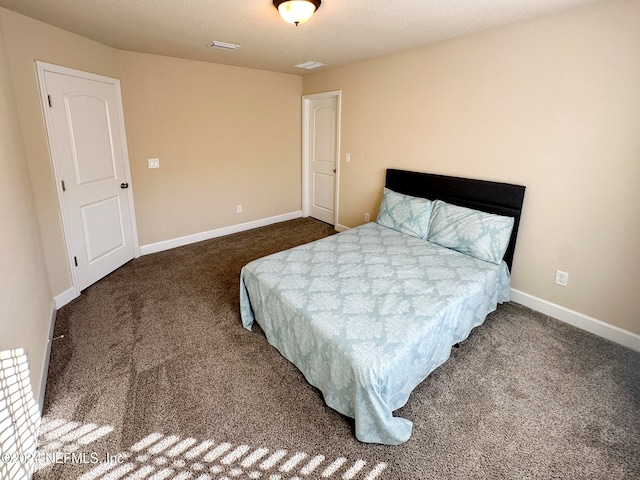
point(124, 185)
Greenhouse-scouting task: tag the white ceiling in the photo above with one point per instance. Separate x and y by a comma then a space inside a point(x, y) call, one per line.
point(341, 31)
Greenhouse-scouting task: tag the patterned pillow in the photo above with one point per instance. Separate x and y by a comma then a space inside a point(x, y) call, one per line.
point(405, 213)
point(482, 235)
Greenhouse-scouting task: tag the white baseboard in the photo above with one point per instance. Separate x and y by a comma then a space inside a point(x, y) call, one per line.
point(219, 232)
point(584, 322)
point(340, 228)
point(65, 297)
point(47, 356)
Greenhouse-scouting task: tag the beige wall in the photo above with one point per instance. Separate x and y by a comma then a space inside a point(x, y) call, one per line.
point(553, 104)
point(26, 41)
point(26, 303)
point(224, 136)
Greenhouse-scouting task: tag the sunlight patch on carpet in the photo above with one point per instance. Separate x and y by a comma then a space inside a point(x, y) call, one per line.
point(158, 457)
point(19, 416)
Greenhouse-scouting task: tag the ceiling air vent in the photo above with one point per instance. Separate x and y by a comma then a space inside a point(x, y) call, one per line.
point(310, 65)
point(223, 45)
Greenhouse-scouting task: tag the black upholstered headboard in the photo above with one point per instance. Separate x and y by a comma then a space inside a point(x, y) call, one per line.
point(492, 197)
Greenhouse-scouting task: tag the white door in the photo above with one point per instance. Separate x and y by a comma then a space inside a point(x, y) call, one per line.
point(87, 140)
point(323, 146)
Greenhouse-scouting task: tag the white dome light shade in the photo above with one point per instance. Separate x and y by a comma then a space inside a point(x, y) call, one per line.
point(296, 11)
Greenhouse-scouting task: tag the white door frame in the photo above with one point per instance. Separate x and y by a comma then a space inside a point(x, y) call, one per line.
point(43, 67)
point(306, 159)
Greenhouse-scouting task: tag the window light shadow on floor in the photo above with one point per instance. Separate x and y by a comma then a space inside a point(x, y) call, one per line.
point(29, 445)
point(158, 457)
point(19, 417)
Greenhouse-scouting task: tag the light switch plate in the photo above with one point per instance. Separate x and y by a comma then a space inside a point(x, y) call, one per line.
point(154, 163)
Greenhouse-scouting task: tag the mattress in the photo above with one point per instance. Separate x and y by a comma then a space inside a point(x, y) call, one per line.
point(367, 314)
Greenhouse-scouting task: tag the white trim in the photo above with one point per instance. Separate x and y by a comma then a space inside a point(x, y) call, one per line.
point(41, 68)
point(305, 157)
point(584, 322)
point(338, 156)
point(127, 168)
point(219, 232)
point(65, 297)
point(340, 228)
point(306, 99)
point(47, 354)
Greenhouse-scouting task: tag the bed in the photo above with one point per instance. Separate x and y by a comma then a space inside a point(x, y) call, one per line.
point(369, 313)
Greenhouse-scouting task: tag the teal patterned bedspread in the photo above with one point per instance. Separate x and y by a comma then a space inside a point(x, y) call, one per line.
point(367, 314)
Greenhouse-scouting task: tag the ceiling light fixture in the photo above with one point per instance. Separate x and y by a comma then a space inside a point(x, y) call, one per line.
point(296, 11)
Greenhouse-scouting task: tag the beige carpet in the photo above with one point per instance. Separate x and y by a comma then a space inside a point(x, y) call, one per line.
point(156, 378)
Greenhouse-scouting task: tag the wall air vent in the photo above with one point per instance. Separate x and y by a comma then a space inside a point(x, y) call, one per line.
point(223, 45)
point(310, 65)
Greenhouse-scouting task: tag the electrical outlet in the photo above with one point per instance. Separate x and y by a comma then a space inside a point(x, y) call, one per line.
point(366, 217)
point(562, 278)
point(238, 208)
